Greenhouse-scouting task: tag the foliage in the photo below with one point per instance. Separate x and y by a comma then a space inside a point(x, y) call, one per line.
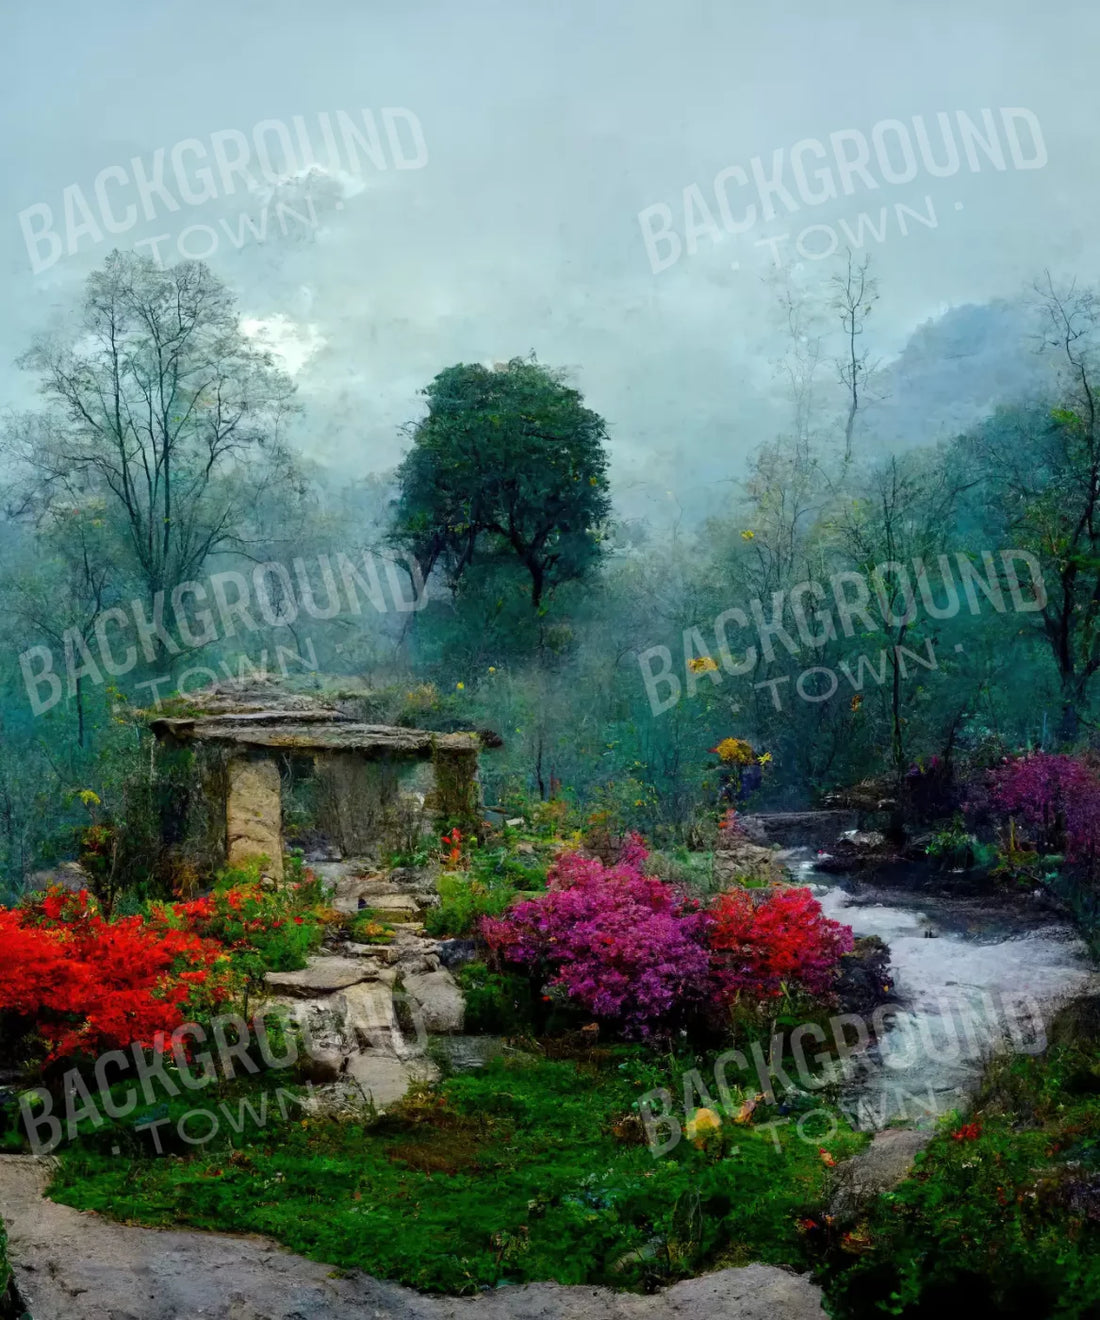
point(525, 1170)
point(497, 1003)
point(624, 946)
point(261, 930)
point(508, 464)
point(1003, 1213)
point(955, 846)
point(766, 944)
point(1057, 799)
point(86, 985)
point(370, 928)
point(464, 901)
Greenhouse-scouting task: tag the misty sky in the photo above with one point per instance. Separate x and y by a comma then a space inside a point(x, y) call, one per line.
point(548, 128)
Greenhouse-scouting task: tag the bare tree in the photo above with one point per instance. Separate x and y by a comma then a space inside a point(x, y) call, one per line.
point(157, 402)
point(856, 292)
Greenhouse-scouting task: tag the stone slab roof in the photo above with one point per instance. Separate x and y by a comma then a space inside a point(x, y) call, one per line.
point(258, 714)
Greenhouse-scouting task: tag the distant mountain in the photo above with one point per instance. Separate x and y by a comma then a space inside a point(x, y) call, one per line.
point(954, 370)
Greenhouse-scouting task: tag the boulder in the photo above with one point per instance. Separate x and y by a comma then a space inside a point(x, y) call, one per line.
point(384, 1079)
point(321, 975)
point(69, 875)
point(369, 1013)
point(440, 1000)
point(740, 859)
point(456, 952)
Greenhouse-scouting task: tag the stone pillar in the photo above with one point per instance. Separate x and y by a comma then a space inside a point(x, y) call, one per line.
point(253, 813)
point(457, 795)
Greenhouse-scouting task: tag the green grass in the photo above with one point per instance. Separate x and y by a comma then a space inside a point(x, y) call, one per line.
point(1005, 1224)
point(530, 1169)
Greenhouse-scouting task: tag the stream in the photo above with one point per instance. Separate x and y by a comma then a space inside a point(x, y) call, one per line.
point(971, 974)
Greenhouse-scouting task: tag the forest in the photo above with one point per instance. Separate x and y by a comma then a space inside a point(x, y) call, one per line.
point(791, 767)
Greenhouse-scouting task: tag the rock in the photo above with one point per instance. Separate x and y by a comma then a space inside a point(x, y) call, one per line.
point(321, 1066)
point(739, 859)
point(369, 1013)
point(878, 1168)
point(69, 875)
point(797, 829)
point(394, 904)
point(321, 975)
point(72, 1265)
point(861, 840)
point(321, 1023)
point(456, 952)
point(864, 981)
point(440, 1000)
point(385, 1079)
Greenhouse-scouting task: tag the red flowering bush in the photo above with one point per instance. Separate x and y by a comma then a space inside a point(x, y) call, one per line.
point(624, 946)
point(262, 931)
point(1056, 798)
point(763, 942)
point(630, 949)
point(86, 985)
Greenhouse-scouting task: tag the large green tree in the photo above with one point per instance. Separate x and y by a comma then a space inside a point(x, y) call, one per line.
point(508, 465)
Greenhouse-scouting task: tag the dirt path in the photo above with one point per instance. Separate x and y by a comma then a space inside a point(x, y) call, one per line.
point(73, 1265)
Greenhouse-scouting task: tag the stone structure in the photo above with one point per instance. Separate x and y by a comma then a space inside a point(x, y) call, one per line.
point(244, 730)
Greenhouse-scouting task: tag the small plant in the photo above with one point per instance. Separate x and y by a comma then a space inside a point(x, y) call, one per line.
point(369, 928)
point(955, 847)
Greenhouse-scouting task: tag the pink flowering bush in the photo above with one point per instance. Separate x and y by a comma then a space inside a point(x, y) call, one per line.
point(624, 946)
point(1056, 798)
point(629, 949)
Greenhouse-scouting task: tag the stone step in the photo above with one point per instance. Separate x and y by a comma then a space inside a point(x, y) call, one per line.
point(323, 974)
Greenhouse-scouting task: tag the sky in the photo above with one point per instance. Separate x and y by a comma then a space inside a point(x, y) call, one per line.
point(532, 137)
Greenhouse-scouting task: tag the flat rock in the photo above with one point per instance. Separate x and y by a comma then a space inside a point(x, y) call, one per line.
point(396, 903)
point(384, 1079)
point(321, 975)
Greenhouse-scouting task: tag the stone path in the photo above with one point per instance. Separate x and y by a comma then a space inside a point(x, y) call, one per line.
point(366, 1010)
point(74, 1265)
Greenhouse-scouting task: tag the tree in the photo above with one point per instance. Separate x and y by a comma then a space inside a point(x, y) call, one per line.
point(855, 296)
point(1038, 470)
point(158, 404)
point(508, 465)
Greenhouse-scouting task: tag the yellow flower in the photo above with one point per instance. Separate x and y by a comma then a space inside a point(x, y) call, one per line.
point(492, 669)
point(700, 1123)
point(735, 751)
point(748, 536)
point(763, 760)
point(460, 686)
point(702, 664)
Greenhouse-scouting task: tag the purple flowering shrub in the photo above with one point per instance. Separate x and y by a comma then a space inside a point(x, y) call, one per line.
point(1056, 798)
point(625, 946)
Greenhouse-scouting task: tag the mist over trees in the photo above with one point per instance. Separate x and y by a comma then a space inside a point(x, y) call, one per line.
point(488, 582)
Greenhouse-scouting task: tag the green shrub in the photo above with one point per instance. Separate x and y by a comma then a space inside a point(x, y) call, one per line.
point(463, 902)
point(1003, 1213)
point(497, 1003)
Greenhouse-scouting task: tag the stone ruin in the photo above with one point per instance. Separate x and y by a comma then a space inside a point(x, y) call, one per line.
point(364, 1012)
point(371, 792)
